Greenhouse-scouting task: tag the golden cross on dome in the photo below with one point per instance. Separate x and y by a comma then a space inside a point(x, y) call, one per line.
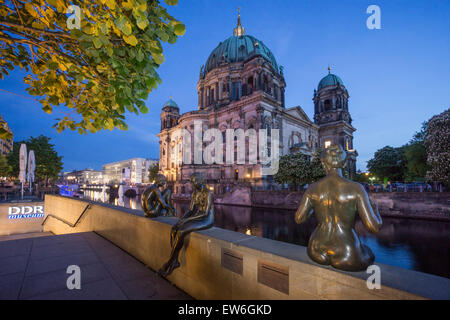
point(329, 69)
point(239, 30)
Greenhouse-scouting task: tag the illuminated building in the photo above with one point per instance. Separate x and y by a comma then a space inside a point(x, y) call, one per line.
point(130, 171)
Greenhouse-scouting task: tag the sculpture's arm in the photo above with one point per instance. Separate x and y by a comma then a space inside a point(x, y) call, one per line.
point(368, 211)
point(202, 214)
point(192, 205)
point(305, 209)
point(161, 200)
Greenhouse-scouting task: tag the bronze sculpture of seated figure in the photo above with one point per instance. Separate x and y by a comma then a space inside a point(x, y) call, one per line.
point(335, 202)
point(156, 202)
point(200, 216)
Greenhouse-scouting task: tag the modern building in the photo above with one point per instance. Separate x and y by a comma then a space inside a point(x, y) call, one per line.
point(241, 86)
point(87, 176)
point(131, 171)
point(6, 145)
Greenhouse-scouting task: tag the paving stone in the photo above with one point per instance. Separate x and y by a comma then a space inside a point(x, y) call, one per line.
point(57, 280)
point(37, 266)
point(125, 267)
point(105, 289)
point(10, 285)
point(59, 249)
point(13, 264)
point(60, 239)
point(15, 247)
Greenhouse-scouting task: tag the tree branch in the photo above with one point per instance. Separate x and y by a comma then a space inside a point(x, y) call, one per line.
point(31, 29)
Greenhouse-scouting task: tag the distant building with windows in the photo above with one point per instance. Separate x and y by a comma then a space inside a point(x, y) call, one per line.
point(130, 171)
point(6, 145)
point(86, 176)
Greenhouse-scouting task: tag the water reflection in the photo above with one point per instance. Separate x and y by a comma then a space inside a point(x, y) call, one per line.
point(407, 243)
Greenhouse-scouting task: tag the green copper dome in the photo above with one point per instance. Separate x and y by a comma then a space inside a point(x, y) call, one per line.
point(330, 80)
point(237, 49)
point(171, 103)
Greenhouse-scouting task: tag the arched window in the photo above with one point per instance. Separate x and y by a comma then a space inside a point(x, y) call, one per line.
point(266, 84)
point(327, 105)
point(250, 85)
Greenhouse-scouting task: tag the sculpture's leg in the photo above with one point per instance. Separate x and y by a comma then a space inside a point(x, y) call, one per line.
point(167, 196)
point(178, 242)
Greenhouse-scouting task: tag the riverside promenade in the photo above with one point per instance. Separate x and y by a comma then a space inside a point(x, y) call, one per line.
point(36, 268)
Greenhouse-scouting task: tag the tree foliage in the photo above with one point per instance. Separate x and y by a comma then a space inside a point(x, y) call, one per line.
point(437, 143)
point(297, 169)
point(416, 156)
point(5, 168)
point(153, 171)
point(388, 162)
point(92, 74)
point(48, 163)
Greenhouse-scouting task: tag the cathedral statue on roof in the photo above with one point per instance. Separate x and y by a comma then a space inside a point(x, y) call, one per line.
point(241, 86)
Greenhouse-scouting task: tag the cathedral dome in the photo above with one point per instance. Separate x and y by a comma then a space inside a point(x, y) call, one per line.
point(330, 80)
point(170, 104)
point(238, 48)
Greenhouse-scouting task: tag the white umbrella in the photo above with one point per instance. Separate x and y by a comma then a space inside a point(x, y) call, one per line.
point(31, 168)
point(23, 164)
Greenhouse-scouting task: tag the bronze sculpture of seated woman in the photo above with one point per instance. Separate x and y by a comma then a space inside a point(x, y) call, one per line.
point(156, 202)
point(200, 216)
point(335, 201)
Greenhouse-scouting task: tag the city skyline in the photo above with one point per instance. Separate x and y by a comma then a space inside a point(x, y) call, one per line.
point(400, 71)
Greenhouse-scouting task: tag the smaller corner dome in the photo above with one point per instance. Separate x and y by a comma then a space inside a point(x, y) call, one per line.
point(330, 80)
point(171, 104)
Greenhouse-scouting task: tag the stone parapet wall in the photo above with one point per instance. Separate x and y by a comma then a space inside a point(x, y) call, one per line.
point(222, 264)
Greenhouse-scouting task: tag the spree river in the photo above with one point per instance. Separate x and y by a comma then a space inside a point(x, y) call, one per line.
point(407, 243)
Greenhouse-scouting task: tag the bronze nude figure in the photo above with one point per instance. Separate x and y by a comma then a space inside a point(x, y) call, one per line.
point(335, 202)
point(200, 216)
point(156, 202)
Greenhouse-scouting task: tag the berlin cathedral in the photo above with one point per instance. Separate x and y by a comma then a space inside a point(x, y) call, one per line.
point(241, 86)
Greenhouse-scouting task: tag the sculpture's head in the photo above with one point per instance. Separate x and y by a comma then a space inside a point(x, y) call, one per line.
point(197, 181)
point(160, 180)
point(333, 157)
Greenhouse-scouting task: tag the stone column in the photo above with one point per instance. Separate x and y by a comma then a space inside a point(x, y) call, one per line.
point(216, 92)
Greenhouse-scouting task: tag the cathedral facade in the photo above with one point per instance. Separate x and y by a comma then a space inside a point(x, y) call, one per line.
point(241, 86)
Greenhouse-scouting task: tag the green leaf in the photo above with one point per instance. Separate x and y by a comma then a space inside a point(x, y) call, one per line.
point(130, 40)
point(158, 58)
point(162, 35)
point(111, 4)
point(171, 2)
point(179, 29)
point(97, 43)
point(142, 23)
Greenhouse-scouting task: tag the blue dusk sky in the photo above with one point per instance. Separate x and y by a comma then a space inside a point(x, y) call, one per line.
point(397, 77)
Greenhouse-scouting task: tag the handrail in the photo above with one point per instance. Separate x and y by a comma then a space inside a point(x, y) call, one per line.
point(72, 225)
